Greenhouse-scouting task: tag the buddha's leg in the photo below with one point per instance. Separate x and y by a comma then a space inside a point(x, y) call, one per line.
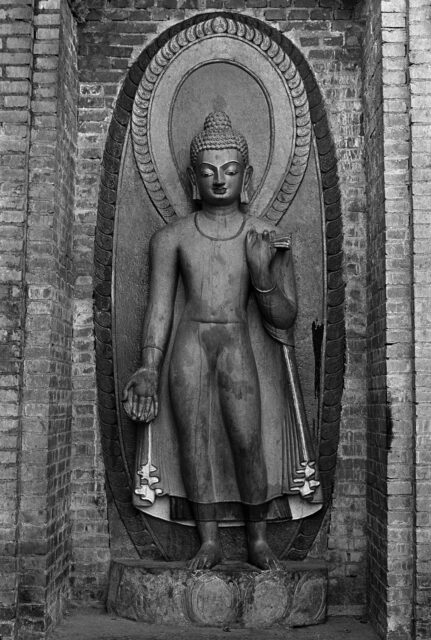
point(239, 395)
point(240, 401)
point(190, 393)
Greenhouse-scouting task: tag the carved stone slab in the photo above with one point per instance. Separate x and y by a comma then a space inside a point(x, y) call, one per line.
point(129, 213)
point(232, 595)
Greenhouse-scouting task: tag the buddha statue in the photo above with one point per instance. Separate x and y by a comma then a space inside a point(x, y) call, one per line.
point(235, 463)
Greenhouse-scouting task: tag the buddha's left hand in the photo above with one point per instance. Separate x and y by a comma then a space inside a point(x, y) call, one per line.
point(260, 254)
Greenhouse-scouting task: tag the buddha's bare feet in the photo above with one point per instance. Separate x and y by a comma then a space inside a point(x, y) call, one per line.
point(208, 555)
point(261, 556)
point(259, 552)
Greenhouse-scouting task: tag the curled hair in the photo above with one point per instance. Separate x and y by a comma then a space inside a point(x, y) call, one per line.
point(218, 134)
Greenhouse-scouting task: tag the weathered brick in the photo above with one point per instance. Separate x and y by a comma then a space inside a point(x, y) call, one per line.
point(16, 101)
point(16, 13)
point(14, 86)
point(275, 14)
point(18, 72)
point(23, 58)
point(46, 47)
point(394, 36)
point(47, 19)
point(47, 34)
point(395, 6)
point(13, 29)
point(19, 43)
point(9, 116)
point(394, 20)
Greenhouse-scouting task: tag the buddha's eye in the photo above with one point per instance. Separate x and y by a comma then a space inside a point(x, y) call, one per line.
point(231, 171)
point(207, 173)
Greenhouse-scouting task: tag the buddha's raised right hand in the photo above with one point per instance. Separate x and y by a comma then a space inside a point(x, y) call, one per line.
point(140, 399)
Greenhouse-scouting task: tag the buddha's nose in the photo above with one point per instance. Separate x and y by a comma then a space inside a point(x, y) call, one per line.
point(219, 177)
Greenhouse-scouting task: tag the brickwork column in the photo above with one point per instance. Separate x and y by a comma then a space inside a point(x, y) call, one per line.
point(399, 326)
point(419, 28)
point(91, 544)
point(16, 62)
point(390, 347)
point(44, 522)
point(38, 136)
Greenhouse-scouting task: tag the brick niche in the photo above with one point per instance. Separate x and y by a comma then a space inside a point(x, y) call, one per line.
point(61, 67)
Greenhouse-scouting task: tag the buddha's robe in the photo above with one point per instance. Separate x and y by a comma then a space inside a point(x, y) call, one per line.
point(292, 478)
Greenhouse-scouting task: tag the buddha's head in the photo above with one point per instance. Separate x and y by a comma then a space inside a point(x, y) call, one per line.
point(219, 172)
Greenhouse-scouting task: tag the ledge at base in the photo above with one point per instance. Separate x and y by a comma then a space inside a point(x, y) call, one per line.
point(233, 594)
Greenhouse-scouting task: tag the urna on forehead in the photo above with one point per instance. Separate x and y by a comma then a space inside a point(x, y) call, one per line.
point(218, 135)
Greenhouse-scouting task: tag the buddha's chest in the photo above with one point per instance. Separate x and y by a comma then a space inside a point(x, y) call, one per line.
point(212, 263)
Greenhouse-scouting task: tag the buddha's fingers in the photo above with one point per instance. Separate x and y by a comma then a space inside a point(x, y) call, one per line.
point(148, 402)
point(135, 405)
point(127, 404)
point(141, 407)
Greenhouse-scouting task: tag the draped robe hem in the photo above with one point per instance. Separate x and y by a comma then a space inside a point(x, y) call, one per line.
point(286, 440)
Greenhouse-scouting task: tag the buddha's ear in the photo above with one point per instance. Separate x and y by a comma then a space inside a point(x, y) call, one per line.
point(194, 183)
point(244, 197)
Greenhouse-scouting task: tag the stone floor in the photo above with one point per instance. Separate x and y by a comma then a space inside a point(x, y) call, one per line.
point(96, 624)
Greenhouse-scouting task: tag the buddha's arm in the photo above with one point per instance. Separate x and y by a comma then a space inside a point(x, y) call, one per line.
point(159, 312)
point(140, 395)
point(271, 274)
point(277, 301)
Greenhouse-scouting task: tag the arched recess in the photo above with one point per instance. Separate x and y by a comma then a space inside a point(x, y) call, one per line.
point(298, 536)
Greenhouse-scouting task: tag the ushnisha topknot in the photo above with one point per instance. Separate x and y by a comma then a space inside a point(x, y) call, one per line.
point(218, 134)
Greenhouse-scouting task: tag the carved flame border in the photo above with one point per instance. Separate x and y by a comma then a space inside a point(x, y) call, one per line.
point(222, 26)
point(333, 365)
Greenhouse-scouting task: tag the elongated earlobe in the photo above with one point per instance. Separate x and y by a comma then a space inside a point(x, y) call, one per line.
point(244, 196)
point(195, 189)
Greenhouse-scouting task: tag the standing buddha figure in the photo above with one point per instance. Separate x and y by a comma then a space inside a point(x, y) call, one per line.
point(224, 258)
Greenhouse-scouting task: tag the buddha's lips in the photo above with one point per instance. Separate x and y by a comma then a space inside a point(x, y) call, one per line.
point(219, 190)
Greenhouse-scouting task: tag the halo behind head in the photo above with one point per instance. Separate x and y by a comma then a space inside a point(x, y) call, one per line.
point(218, 134)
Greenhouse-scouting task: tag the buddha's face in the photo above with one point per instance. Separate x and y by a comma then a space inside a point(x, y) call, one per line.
point(220, 176)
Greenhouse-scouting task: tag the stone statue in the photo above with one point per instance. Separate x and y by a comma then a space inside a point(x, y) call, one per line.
point(224, 259)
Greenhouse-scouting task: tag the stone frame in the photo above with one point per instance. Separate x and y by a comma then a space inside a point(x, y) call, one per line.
point(333, 365)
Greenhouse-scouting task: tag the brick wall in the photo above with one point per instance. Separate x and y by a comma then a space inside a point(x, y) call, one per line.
point(53, 522)
point(46, 405)
point(328, 35)
point(16, 28)
point(91, 553)
point(391, 384)
point(399, 337)
point(39, 136)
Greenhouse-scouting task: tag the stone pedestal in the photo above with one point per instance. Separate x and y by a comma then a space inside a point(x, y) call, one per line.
point(233, 594)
